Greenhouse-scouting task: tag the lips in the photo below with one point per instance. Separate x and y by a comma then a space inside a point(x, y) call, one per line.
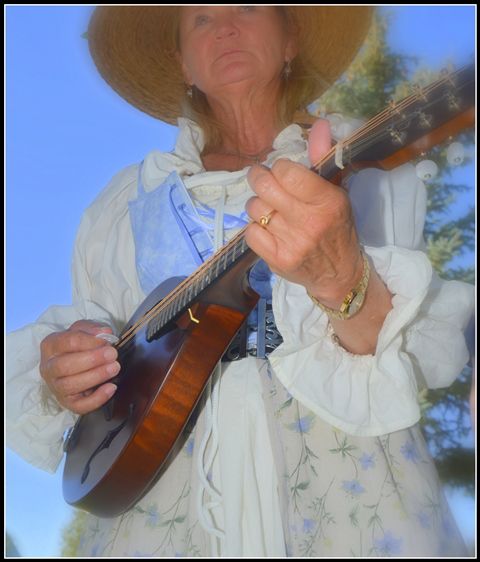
point(230, 52)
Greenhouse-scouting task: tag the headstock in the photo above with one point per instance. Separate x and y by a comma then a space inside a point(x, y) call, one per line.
point(406, 129)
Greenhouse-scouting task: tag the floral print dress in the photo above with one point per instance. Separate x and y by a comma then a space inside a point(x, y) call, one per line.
point(339, 495)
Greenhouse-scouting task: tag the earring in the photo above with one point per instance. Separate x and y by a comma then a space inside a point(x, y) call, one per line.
point(189, 91)
point(287, 69)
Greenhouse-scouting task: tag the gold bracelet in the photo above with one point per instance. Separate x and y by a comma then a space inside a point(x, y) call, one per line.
point(353, 301)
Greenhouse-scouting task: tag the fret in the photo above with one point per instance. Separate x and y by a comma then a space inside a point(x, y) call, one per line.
point(244, 244)
point(197, 290)
point(166, 315)
point(153, 326)
point(183, 299)
point(228, 258)
point(207, 278)
point(174, 308)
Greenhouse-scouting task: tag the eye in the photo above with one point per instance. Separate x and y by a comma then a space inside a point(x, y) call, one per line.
point(201, 19)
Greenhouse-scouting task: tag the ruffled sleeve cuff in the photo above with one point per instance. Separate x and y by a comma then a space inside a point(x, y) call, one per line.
point(364, 395)
point(35, 422)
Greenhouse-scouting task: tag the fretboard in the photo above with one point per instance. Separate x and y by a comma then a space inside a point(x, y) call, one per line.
point(183, 296)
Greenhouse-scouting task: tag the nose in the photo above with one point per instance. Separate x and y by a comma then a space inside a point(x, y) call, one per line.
point(226, 27)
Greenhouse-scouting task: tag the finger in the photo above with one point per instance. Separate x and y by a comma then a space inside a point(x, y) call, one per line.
point(306, 185)
point(82, 382)
point(69, 341)
point(68, 364)
point(262, 242)
point(91, 327)
point(319, 141)
point(84, 404)
point(257, 208)
point(303, 185)
point(266, 186)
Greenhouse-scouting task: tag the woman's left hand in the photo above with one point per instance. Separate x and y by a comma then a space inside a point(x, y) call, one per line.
point(310, 238)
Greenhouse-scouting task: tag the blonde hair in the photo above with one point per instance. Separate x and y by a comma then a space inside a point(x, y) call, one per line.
point(298, 87)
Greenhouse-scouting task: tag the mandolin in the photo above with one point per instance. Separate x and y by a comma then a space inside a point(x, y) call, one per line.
point(171, 345)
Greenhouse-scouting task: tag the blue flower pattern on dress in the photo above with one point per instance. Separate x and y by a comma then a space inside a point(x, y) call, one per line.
point(389, 545)
point(353, 487)
point(367, 461)
point(410, 452)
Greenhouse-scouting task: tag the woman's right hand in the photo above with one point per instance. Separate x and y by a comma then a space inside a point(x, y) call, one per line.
point(74, 362)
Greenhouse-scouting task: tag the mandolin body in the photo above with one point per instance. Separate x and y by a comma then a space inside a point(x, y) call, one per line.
point(116, 453)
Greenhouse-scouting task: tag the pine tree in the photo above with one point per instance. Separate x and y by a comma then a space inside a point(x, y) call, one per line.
point(72, 534)
point(375, 77)
point(11, 549)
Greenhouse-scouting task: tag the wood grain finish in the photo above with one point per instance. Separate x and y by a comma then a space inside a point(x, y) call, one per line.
point(163, 379)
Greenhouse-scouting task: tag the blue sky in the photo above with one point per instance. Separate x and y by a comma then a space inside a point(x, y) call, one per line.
point(67, 135)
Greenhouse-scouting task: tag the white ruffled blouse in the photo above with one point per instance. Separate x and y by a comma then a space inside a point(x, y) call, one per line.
point(420, 345)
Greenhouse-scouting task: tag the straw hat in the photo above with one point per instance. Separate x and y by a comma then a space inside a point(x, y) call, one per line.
point(133, 48)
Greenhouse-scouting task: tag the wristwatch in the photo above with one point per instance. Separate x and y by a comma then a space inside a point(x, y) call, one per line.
point(353, 301)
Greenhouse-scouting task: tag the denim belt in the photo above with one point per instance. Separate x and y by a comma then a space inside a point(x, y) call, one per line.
point(256, 340)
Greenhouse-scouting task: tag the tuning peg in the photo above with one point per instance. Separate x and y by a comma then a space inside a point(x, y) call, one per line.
point(396, 136)
point(419, 92)
point(447, 74)
point(426, 170)
point(453, 101)
point(455, 153)
point(424, 119)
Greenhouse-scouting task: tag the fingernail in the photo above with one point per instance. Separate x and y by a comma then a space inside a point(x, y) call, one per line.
point(108, 337)
point(114, 368)
point(110, 354)
point(110, 389)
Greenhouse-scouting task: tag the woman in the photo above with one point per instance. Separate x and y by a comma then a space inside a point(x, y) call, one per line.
point(314, 451)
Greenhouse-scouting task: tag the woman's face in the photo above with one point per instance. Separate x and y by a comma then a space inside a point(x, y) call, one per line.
point(223, 46)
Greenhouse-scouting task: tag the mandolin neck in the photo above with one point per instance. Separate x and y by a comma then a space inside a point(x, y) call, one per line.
point(396, 135)
point(407, 128)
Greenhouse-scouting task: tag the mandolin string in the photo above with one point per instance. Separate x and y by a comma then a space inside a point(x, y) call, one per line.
point(361, 142)
point(398, 107)
point(162, 306)
point(414, 97)
point(360, 137)
point(226, 252)
point(183, 287)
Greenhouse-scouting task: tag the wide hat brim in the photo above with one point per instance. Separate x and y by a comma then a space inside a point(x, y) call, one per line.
point(134, 48)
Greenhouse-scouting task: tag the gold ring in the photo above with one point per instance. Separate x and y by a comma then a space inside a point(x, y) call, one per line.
point(265, 219)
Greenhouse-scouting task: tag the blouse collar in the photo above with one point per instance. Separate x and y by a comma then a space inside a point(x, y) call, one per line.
point(186, 160)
